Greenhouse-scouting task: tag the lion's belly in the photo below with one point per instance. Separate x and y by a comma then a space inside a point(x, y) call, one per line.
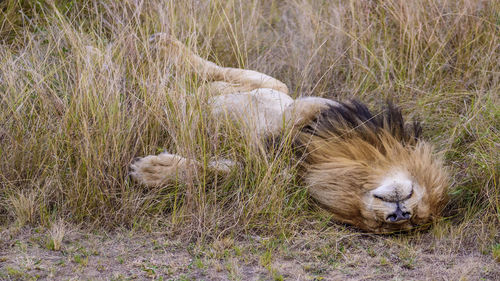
point(260, 111)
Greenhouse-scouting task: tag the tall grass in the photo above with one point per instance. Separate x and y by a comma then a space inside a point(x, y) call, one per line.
point(82, 92)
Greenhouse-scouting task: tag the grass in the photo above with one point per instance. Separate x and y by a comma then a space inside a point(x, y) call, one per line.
point(128, 255)
point(82, 93)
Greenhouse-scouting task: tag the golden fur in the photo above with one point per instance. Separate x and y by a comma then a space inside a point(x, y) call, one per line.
point(342, 163)
point(370, 171)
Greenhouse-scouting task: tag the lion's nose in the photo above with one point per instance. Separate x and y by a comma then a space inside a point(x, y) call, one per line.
point(398, 215)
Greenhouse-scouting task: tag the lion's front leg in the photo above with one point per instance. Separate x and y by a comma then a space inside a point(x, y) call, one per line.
point(156, 170)
point(165, 168)
point(243, 79)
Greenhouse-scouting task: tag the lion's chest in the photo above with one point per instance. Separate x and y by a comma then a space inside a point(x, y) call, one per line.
point(260, 111)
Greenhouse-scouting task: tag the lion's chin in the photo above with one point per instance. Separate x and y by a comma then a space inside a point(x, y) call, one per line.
point(397, 227)
point(388, 228)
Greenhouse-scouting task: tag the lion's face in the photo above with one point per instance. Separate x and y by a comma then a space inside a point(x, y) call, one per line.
point(397, 202)
point(381, 196)
point(372, 172)
point(399, 192)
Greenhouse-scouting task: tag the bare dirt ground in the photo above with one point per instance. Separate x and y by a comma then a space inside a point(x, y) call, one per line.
point(26, 255)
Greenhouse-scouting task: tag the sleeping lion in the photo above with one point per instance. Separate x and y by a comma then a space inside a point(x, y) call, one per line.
point(371, 171)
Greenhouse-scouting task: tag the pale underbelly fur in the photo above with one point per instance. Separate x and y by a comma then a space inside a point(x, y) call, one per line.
point(262, 112)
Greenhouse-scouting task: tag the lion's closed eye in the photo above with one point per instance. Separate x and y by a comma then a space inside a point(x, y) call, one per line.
point(388, 198)
point(410, 195)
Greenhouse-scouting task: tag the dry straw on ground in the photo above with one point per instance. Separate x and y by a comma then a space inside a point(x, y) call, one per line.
point(82, 93)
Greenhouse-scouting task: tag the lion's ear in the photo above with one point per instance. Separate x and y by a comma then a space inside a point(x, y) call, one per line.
point(304, 110)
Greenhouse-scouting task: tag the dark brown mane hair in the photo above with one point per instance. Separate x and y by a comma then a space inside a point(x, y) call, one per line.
point(353, 119)
point(346, 151)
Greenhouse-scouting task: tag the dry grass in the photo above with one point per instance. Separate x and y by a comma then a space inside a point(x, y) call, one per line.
point(56, 235)
point(23, 207)
point(82, 93)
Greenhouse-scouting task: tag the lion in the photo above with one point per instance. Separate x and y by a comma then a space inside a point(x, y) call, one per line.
point(371, 171)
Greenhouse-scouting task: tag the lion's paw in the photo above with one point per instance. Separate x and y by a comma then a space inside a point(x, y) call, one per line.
point(173, 47)
point(156, 170)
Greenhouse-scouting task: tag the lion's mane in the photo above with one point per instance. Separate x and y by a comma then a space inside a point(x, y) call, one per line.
point(346, 150)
